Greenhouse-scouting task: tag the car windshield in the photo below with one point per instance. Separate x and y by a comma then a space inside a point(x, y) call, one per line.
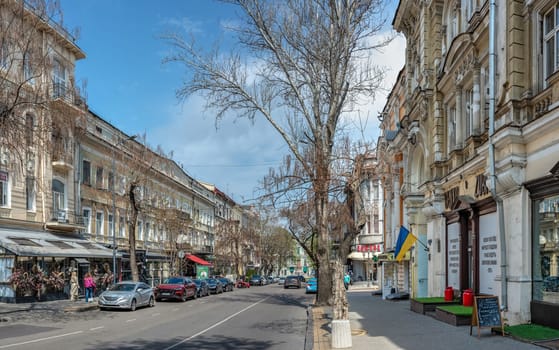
point(124, 287)
point(174, 280)
point(211, 280)
point(312, 281)
point(256, 277)
point(197, 281)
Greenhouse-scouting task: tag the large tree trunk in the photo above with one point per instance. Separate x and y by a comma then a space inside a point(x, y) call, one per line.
point(324, 288)
point(341, 330)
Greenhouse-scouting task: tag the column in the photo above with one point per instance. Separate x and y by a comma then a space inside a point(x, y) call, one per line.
point(476, 123)
point(459, 118)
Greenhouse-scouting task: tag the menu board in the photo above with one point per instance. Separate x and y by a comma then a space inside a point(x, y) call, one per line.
point(486, 313)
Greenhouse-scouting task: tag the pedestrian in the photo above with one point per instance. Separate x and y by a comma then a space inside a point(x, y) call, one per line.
point(347, 280)
point(89, 285)
point(74, 286)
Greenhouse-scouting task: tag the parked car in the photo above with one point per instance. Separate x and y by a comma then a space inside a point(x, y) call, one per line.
point(201, 288)
point(228, 285)
point(301, 278)
point(242, 284)
point(292, 281)
point(127, 295)
point(281, 281)
point(255, 280)
point(214, 286)
point(180, 288)
point(312, 284)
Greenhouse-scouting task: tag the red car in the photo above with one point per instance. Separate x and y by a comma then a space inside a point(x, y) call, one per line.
point(180, 288)
point(242, 284)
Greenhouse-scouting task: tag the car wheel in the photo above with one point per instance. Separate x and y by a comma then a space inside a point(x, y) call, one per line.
point(183, 298)
point(195, 295)
point(133, 305)
point(151, 302)
point(157, 299)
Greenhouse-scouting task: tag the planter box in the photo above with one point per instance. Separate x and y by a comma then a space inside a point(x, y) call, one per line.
point(424, 307)
point(453, 319)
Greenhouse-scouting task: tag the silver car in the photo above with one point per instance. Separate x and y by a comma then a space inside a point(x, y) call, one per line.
point(127, 295)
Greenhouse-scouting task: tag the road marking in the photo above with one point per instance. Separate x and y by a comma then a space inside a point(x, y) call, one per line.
point(39, 340)
point(215, 325)
point(96, 328)
point(131, 320)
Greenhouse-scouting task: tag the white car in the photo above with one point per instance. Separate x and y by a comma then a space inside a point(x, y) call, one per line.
point(127, 295)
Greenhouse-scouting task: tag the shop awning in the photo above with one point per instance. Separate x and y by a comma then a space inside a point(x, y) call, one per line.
point(197, 260)
point(43, 243)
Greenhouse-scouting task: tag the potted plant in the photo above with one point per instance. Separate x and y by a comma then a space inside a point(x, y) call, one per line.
point(22, 282)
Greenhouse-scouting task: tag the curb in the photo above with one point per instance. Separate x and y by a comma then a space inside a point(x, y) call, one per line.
point(309, 335)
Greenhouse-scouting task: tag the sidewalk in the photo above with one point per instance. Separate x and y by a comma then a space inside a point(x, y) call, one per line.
point(9, 311)
point(391, 325)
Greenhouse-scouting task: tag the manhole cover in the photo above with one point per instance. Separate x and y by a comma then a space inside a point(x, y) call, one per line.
point(358, 332)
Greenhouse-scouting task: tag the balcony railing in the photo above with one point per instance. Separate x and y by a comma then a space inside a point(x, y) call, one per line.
point(68, 94)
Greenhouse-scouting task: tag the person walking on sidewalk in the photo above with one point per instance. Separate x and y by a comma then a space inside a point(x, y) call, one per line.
point(74, 286)
point(89, 285)
point(347, 280)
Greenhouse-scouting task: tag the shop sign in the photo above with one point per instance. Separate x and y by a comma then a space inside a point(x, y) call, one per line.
point(364, 248)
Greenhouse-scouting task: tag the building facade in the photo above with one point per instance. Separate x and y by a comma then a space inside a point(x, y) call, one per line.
point(480, 151)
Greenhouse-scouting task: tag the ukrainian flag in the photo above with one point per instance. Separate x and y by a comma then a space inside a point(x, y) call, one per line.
point(405, 240)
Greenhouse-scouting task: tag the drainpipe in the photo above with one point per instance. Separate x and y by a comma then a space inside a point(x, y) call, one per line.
point(492, 175)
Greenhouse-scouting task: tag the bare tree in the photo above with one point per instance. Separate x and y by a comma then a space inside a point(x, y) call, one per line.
point(300, 65)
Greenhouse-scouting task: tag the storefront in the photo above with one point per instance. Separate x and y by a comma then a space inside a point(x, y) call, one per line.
point(38, 263)
point(472, 244)
point(544, 195)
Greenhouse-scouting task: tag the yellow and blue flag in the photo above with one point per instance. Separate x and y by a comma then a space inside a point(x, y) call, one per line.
point(405, 240)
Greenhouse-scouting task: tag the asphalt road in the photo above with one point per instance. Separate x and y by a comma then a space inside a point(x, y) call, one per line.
point(267, 317)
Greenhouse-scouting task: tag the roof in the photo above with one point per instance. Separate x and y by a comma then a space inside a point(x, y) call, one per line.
point(43, 243)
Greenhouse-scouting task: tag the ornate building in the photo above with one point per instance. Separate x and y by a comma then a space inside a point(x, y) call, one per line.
point(480, 157)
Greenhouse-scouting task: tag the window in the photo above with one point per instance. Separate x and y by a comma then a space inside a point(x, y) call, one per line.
point(4, 54)
point(551, 41)
point(99, 223)
point(140, 227)
point(87, 219)
point(111, 181)
point(147, 231)
point(99, 177)
point(29, 126)
point(4, 189)
point(58, 79)
point(111, 225)
point(121, 226)
point(86, 172)
point(469, 112)
point(451, 128)
point(58, 196)
point(28, 70)
point(30, 193)
point(546, 250)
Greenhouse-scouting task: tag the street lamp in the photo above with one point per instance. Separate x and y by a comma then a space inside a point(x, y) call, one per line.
point(120, 142)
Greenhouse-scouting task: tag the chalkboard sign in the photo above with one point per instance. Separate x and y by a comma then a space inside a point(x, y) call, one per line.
point(486, 313)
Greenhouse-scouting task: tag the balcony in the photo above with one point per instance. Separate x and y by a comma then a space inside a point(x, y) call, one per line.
point(62, 155)
point(65, 221)
point(67, 98)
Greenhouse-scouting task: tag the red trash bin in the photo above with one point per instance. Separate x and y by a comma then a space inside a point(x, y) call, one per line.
point(448, 293)
point(468, 297)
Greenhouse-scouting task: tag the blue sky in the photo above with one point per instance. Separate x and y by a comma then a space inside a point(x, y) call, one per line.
point(128, 86)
